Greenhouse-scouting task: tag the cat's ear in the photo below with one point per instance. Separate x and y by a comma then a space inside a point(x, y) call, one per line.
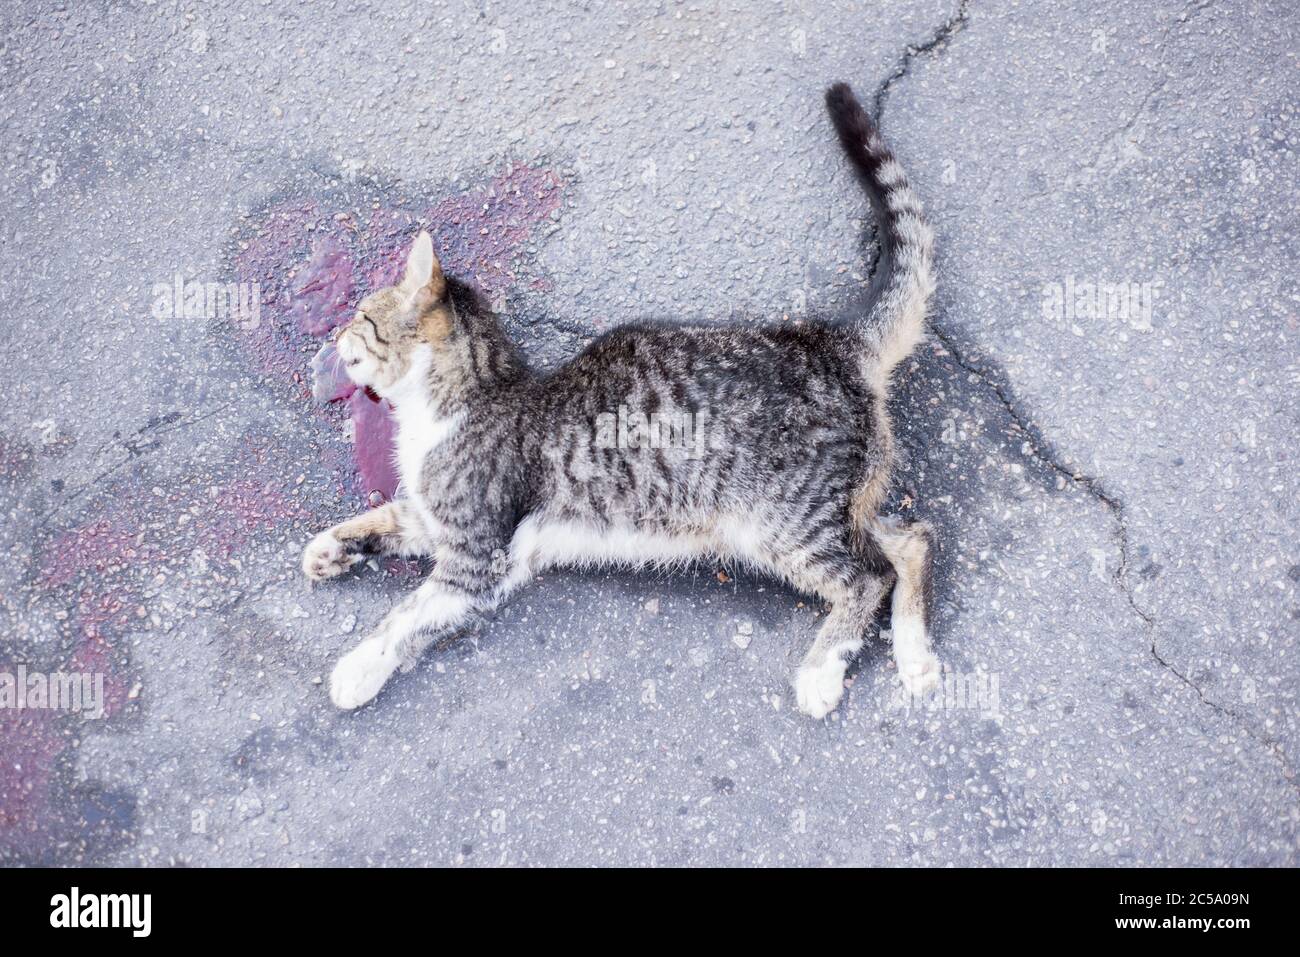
point(423, 269)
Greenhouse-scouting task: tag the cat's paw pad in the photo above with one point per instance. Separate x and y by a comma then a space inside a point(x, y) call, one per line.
point(325, 557)
point(919, 675)
point(819, 688)
point(360, 674)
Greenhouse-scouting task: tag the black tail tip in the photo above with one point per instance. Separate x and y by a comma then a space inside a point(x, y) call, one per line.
point(846, 112)
point(838, 95)
point(840, 99)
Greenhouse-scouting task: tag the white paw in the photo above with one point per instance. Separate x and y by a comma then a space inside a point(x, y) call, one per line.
point(324, 557)
point(920, 675)
point(360, 674)
point(819, 688)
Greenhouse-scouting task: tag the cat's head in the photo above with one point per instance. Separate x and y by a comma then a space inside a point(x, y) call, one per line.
point(416, 320)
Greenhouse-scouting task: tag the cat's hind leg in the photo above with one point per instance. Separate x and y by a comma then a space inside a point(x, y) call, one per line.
point(819, 682)
point(392, 529)
point(833, 561)
point(908, 549)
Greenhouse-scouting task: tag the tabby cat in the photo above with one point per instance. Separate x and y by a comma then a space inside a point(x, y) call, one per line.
point(769, 446)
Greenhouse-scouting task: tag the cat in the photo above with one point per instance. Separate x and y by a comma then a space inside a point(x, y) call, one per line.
point(657, 444)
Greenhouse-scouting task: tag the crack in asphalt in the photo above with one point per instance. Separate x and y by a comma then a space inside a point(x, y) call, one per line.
point(952, 26)
point(1110, 144)
point(1037, 446)
point(1110, 149)
point(135, 445)
point(1042, 450)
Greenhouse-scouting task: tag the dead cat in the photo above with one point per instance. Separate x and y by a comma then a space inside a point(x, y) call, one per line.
point(506, 471)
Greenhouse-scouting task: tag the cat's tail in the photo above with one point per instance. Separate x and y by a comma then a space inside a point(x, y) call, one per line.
point(903, 282)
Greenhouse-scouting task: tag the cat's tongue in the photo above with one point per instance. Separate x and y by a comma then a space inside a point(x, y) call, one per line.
point(329, 381)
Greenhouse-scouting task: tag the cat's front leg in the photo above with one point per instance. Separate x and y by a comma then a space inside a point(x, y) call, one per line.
point(392, 529)
point(435, 610)
point(325, 557)
point(473, 574)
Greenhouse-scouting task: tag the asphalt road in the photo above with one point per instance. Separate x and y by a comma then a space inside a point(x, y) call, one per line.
point(1114, 480)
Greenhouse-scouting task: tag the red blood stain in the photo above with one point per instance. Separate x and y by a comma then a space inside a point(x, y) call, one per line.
point(239, 509)
point(321, 292)
point(478, 235)
point(98, 572)
point(32, 741)
point(30, 744)
point(376, 435)
point(101, 546)
point(16, 458)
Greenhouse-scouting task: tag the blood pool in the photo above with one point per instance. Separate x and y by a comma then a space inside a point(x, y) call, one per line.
point(374, 431)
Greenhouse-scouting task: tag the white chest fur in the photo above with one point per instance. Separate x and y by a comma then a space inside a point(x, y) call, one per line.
point(419, 429)
point(418, 434)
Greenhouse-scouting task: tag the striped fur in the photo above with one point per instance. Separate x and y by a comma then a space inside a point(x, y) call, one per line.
point(894, 323)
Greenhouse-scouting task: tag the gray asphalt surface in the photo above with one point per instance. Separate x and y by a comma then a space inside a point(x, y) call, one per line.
point(1116, 496)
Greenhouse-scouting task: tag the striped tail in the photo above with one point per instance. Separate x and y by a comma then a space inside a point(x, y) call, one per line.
point(904, 279)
